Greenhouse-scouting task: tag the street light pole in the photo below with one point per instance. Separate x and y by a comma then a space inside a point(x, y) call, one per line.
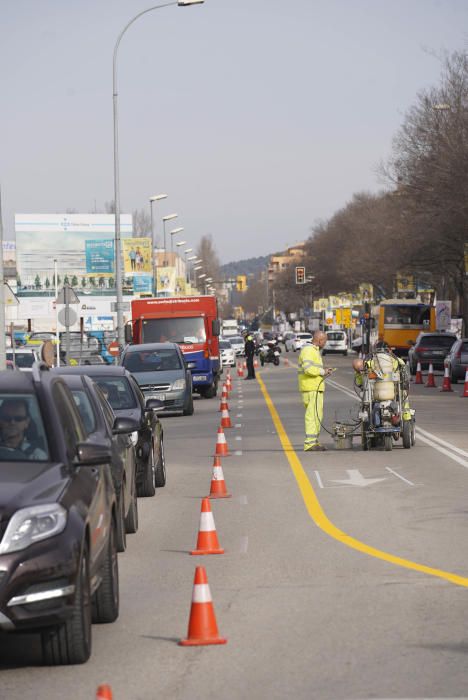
point(173, 233)
point(155, 198)
point(169, 217)
point(117, 239)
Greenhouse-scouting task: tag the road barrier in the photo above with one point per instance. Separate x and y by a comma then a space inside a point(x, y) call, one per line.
point(218, 485)
point(207, 541)
point(202, 627)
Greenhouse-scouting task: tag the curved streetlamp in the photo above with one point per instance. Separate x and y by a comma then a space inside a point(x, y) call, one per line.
point(117, 239)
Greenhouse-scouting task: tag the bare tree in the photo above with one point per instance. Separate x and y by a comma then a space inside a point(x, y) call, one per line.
point(207, 252)
point(141, 223)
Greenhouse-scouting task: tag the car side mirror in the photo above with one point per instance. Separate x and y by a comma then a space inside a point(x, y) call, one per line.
point(215, 326)
point(124, 424)
point(154, 405)
point(128, 332)
point(90, 454)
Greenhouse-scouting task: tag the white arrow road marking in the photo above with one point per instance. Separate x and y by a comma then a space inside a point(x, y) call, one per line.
point(357, 479)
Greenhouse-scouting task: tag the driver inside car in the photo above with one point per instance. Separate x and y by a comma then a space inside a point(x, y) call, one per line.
point(14, 424)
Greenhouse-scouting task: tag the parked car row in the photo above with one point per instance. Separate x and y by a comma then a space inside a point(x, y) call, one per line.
point(78, 446)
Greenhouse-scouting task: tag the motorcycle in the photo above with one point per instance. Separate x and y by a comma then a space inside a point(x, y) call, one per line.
point(269, 353)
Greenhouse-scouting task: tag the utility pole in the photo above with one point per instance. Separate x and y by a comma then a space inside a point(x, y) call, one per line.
point(2, 297)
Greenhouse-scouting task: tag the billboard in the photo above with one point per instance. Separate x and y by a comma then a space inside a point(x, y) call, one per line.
point(142, 283)
point(100, 257)
point(137, 256)
point(43, 238)
point(165, 281)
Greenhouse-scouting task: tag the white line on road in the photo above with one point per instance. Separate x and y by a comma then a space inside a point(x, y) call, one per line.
point(238, 425)
point(407, 481)
point(244, 544)
point(319, 480)
point(239, 415)
point(243, 500)
point(442, 442)
point(238, 437)
point(463, 462)
point(238, 453)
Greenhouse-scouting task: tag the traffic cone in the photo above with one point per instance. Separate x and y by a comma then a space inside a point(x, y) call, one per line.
point(465, 387)
point(446, 384)
point(104, 692)
point(228, 385)
point(202, 627)
point(221, 444)
point(430, 384)
point(218, 485)
point(255, 363)
point(207, 541)
point(240, 371)
point(225, 419)
point(244, 365)
point(223, 406)
point(418, 379)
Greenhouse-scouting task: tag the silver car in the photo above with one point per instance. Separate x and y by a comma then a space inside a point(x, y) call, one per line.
point(161, 373)
point(227, 353)
point(238, 344)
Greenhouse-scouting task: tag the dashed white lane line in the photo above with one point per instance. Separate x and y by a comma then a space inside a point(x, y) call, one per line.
point(399, 476)
point(239, 415)
point(319, 479)
point(238, 425)
point(238, 453)
point(244, 545)
point(238, 437)
point(243, 500)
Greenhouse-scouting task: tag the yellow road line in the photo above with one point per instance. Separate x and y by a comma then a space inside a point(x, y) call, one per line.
point(319, 517)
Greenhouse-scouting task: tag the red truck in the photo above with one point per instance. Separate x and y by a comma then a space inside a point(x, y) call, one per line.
point(193, 323)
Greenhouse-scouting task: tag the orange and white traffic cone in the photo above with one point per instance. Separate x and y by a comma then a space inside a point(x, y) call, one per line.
point(223, 406)
point(222, 449)
point(244, 365)
point(465, 387)
point(225, 419)
point(202, 627)
point(446, 384)
point(419, 379)
point(207, 541)
point(218, 485)
point(229, 383)
point(104, 692)
point(240, 371)
point(255, 363)
point(430, 384)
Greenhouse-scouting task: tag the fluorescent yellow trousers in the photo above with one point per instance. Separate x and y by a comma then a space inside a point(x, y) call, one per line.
point(313, 402)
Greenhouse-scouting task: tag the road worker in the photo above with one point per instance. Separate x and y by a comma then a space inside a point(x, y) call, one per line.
point(249, 351)
point(311, 377)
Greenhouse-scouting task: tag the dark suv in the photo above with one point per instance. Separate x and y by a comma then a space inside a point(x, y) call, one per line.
point(430, 348)
point(58, 552)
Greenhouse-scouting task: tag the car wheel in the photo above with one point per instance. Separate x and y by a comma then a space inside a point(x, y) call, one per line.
point(160, 474)
point(413, 433)
point(406, 434)
point(146, 489)
point(70, 643)
point(106, 598)
point(131, 521)
point(188, 411)
point(121, 533)
point(388, 442)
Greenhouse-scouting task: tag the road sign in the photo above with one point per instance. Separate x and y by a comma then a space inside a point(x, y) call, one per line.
point(114, 348)
point(67, 295)
point(67, 316)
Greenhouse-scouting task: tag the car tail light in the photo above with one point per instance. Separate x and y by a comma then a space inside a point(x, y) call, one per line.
point(421, 348)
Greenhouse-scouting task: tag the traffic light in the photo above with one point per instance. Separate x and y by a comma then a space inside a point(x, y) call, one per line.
point(300, 275)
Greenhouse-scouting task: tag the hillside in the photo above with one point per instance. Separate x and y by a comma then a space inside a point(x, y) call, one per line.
point(250, 266)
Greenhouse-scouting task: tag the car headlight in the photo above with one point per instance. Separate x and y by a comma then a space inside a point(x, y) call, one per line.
point(178, 385)
point(33, 524)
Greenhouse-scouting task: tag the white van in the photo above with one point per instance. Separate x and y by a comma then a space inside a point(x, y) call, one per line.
point(337, 341)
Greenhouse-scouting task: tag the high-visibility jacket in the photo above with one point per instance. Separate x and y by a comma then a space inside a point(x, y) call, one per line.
point(310, 372)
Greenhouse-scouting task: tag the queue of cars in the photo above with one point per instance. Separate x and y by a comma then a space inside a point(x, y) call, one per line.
point(78, 446)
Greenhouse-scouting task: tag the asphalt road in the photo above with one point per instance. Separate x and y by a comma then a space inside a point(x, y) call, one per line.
point(345, 573)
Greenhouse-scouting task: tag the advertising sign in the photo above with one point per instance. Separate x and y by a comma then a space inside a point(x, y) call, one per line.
point(366, 291)
point(165, 281)
point(99, 257)
point(443, 315)
point(43, 238)
point(404, 283)
point(181, 286)
point(137, 256)
point(142, 283)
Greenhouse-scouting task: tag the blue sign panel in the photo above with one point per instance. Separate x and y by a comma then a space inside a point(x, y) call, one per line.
point(142, 283)
point(99, 257)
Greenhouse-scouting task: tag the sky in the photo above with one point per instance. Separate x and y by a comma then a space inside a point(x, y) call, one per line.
point(258, 118)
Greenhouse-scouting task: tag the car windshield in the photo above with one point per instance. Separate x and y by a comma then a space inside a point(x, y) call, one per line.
point(152, 360)
point(225, 345)
point(117, 391)
point(174, 330)
point(303, 336)
point(437, 341)
point(336, 336)
point(21, 359)
point(22, 435)
point(85, 409)
point(237, 340)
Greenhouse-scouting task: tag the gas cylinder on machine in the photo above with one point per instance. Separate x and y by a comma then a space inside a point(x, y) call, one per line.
point(384, 386)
